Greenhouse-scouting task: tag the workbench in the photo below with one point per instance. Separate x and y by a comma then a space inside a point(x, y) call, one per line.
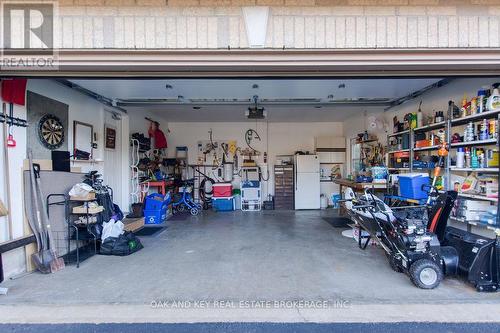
point(357, 187)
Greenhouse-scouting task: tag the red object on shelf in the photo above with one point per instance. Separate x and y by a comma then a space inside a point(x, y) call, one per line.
point(402, 154)
point(222, 190)
point(422, 143)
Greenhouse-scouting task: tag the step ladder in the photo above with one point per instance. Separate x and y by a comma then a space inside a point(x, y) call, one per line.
point(181, 156)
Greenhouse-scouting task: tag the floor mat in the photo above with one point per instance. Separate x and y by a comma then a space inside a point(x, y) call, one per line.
point(149, 231)
point(181, 216)
point(338, 222)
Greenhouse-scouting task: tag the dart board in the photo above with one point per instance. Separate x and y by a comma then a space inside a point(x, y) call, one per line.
point(51, 131)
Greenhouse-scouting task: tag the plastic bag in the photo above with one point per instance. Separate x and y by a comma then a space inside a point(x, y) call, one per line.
point(80, 190)
point(111, 229)
point(122, 245)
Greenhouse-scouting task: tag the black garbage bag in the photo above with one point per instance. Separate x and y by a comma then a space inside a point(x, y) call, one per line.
point(122, 245)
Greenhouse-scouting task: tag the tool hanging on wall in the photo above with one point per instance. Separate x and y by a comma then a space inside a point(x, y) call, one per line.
point(251, 135)
point(10, 138)
point(13, 92)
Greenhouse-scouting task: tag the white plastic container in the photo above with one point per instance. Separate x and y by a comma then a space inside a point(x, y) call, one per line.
point(323, 201)
point(494, 99)
point(460, 157)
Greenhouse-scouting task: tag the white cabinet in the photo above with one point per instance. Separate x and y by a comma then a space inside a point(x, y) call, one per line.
point(331, 157)
point(329, 142)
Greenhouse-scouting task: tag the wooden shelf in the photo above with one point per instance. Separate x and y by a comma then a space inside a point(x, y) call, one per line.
point(473, 117)
point(86, 161)
point(474, 143)
point(366, 141)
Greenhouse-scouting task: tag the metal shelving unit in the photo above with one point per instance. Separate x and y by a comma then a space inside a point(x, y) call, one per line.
point(452, 123)
point(392, 152)
point(448, 126)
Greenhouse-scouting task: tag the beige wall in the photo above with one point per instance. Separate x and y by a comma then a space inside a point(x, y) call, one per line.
point(277, 138)
point(331, 24)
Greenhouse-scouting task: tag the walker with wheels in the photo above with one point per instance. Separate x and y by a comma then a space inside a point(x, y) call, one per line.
point(184, 201)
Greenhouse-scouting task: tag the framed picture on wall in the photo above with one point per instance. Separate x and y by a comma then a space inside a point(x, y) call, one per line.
point(110, 137)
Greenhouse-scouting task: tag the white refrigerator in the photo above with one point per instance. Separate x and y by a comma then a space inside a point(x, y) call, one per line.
point(307, 184)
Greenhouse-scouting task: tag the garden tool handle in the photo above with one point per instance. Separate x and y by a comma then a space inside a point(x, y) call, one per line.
point(36, 170)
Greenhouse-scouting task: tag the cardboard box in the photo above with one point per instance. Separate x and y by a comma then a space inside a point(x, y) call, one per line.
point(89, 196)
point(84, 210)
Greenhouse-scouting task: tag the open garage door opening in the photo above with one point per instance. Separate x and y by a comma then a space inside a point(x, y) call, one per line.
point(233, 186)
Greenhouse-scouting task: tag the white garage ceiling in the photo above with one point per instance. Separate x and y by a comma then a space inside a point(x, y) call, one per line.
point(227, 99)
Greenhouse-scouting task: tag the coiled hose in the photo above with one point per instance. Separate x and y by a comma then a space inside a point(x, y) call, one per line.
point(206, 196)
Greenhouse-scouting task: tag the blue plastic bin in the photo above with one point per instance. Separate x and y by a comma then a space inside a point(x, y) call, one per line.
point(223, 204)
point(154, 201)
point(155, 216)
point(411, 186)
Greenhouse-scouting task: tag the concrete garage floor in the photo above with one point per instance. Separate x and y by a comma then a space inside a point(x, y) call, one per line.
point(232, 257)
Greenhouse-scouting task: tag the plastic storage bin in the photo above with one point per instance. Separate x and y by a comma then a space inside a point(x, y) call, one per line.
point(155, 216)
point(222, 190)
point(410, 186)
point(156, 208)
point(223, 204)
point(154, 201)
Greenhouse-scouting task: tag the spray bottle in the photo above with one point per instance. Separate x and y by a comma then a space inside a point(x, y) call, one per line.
point(420, 116)
point(494, 100)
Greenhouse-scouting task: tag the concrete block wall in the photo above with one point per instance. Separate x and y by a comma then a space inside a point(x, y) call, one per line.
point(306, 24)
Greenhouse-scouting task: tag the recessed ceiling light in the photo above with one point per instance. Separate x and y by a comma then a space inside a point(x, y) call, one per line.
point(196, 107)
point(255, 86)
point(168, 86)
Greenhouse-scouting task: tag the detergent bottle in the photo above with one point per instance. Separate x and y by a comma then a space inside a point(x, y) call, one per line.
point(494, 100)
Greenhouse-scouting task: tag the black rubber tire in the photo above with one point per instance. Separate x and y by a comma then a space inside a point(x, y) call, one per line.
point(416, 270)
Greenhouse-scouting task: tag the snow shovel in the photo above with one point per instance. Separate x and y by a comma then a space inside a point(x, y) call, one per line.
point(46, 260)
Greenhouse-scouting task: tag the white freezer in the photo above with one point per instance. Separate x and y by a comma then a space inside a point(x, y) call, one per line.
point(307, 182)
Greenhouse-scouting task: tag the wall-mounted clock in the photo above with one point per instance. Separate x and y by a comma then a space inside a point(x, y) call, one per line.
point(51, 131)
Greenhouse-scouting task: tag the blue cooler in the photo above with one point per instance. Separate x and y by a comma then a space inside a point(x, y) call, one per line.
point(223, 204)
point(410, 186)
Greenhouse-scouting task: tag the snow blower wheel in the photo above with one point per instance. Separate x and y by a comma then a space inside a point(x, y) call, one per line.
point(426, 274)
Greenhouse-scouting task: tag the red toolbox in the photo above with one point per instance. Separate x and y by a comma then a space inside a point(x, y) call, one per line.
point(222, 190)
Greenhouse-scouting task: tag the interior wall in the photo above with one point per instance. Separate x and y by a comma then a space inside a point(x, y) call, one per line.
point(277, 138)
point(81, 108)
